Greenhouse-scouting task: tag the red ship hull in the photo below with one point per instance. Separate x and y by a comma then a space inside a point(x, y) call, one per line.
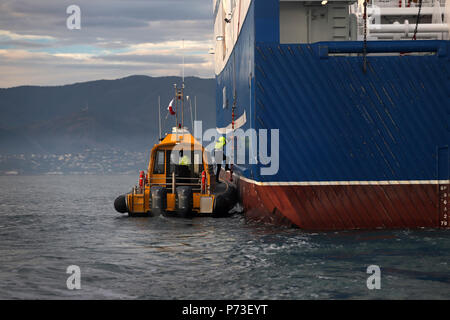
point(347, 206)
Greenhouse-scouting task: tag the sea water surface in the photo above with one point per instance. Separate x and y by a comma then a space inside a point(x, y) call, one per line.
point(48, 223)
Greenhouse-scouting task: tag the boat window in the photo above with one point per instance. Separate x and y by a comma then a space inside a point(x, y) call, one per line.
point(193, 170)
point(159, 162)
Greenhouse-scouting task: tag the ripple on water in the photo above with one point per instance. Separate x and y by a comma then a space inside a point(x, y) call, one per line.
point(71, 221)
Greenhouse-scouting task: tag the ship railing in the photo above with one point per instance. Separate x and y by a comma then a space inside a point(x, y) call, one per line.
point(193, 182)
point(405, 3)
point(396, 20)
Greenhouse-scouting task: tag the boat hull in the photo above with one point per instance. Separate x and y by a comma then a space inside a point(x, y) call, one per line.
point(346, 206)
point(142, 204)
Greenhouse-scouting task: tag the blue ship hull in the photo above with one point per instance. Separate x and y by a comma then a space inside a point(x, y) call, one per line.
point(357, 149)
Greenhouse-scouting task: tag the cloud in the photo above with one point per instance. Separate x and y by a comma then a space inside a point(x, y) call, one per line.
point(15, 36)
point(152, 58)
point(22, 44)
point(117, 38)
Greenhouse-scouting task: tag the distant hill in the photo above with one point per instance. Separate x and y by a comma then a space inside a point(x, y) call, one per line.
point(120, 114)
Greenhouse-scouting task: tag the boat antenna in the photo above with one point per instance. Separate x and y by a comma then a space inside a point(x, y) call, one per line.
point(182, 50)
point(182, 105)
point(176, 106)
point(179, 95)
point(190, 108)
point(182, 90)
point(159, 116)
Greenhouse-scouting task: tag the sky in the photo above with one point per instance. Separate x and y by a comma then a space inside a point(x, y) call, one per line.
point(117, 38)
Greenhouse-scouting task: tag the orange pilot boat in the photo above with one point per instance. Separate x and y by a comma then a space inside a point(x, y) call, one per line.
point(179, 180)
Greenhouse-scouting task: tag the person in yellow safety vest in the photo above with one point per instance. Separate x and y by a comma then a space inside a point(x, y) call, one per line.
point(184, 161)
point(183, 166)
point(219, 150)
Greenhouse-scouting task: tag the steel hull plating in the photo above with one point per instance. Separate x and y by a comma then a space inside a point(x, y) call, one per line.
point(345, 207)
point(357, 149)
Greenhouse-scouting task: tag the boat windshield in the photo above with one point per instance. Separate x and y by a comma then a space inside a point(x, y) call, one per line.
point(189, 167)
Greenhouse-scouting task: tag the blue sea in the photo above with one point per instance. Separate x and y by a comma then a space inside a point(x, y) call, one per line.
point(48, 223)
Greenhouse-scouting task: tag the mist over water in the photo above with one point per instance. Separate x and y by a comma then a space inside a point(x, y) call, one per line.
point(48, 223)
